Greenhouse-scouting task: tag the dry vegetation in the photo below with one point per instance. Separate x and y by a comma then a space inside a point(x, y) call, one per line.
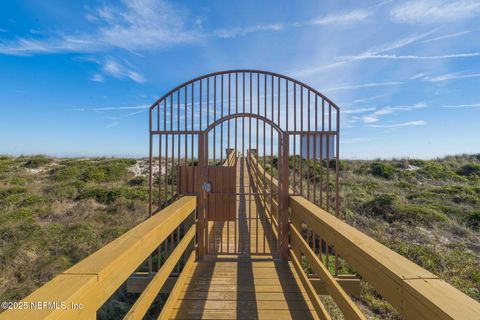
point(54, 212)
point(428, 211)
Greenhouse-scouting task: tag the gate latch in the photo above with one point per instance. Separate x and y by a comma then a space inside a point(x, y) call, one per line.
point(207, 187)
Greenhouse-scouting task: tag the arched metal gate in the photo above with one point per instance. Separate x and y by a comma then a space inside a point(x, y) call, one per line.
point(285, 127)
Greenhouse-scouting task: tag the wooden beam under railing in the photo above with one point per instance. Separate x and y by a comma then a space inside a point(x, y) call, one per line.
point(414, 292)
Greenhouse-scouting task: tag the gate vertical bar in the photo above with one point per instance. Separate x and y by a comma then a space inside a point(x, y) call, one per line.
point(202, 222)
point(305, 128)
point(284, 218)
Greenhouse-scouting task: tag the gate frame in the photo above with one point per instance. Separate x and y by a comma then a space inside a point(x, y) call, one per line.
point(202, 226)
point(196, 82)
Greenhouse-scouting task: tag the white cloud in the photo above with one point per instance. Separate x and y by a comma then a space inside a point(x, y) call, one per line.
point(359, 110)
point(410, 57)
point(451, 76)
point(26, 47)
point(235, 32)
point(120, 71)
point(135, 25)
point(447, 36)
point(143, 24)
point(369, 98)
point(383, 3)
point(400, 43)
point(357, 140)
point(363, 85)
point(113, 124)
point(434, 11)
point(338, 19)
point(150, 24)
point(474, 105)
point(398, 125)
point(97, 77)
point(115, 114)
point(141, 106)
point(347, 18)
point(379, 52)
point(375, 116)
point(370, 119)
point(418, 76)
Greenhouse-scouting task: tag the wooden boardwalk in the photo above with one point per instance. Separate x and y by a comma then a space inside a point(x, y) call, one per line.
point(251, 232)
point(254, 287)
point(247, 282)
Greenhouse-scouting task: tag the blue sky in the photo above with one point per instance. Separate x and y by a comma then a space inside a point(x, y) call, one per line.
point(76, 77)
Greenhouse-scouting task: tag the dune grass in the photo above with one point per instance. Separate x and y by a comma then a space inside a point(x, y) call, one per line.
point(54, 212)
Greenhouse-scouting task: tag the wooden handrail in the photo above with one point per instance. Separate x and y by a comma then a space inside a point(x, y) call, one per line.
point(343, 301)
point(252, 158)
point(172, 297)
point(138, 310)
point(310, 290)
point(261, 171)
point(231, 159)
point(414, 292)
point(257, 172)
point(89, 283)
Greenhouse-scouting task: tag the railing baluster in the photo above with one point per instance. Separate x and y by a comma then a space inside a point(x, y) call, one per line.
point(327, 256)
point(336, 262)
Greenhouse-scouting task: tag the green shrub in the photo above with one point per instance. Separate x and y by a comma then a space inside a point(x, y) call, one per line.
point(19, 181)
point(12, 195)
point(95, 171)
point(37, 162)
point(275, 162)
point(108, 196)
point(383, 170)
point(415, 212)
point(268, 168)
point(18, 215)
point(468, 170)
point(172, 177)
point(377, 303)
point(139, 181)
point(383, 206)
point(293, 160)
point(6, 165)
point(65, 173)
point(416, 162)
point(332, 164)
point(462, 194)
point(101, 195)
point(135, 193)
point(31, 200)
point(68, 190)
point(437, 170)
point(390, 208)
point(474, 220)
point(11, 191)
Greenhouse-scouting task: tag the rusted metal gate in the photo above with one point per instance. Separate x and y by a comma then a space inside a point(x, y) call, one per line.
point(244, 227)
point(291, 130)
